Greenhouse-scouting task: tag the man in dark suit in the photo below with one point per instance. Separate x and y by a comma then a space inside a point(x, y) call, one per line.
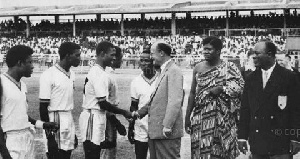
point(270, 111)
point(165, 120)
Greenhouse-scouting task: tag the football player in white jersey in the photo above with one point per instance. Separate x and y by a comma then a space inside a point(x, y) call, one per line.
point(141, 90)
point(57, 102)
point(15, 121)
point(113, 124)
point(96, 101)
point(3, 149)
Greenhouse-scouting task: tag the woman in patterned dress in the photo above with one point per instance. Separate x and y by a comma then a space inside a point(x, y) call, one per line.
point(214, 102)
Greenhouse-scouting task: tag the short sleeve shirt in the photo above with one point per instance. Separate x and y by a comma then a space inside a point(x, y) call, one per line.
point(96, 86)
point(57, 85)
point(14, 105)
point(112, 88)
point(141, 90)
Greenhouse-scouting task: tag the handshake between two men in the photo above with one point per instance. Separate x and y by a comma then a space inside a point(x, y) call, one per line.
point(131, 115)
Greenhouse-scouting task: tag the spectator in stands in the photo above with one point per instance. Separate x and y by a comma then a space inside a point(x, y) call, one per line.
point(159, 26)
point(1, 59)
point(249, 67)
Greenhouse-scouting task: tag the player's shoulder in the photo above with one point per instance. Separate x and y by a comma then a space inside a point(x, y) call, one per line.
point(72, 72)
point(137, 78)
point(23, 84)
point(198, 66)
point(97, 72)
point(51, 69)
point(92, 70)
point(48, 72)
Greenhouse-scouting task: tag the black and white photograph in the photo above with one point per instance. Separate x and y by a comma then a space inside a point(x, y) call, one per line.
point(159, 79)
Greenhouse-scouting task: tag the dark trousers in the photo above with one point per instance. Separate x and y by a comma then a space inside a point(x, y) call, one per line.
point(141, 149)
point(54, 152)
point(164, 148)
point(91, 150)
point(61, 154)
point(285, 156)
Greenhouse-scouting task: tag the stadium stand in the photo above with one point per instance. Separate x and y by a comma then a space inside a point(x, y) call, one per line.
point(244, 30)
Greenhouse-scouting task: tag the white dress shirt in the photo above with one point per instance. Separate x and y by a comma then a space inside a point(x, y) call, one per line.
point(266, 74)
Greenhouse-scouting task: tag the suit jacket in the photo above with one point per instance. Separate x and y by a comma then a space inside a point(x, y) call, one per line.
point(269, 127)
point(295, 70)
point(165, 105)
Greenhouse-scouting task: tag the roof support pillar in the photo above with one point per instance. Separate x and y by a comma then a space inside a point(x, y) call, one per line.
point(143, 16)
point(27, 26)
point(16, 22)
point(16, 19)
point(74, 25)
point(188, 15)
point(285, 14)
point(237, 13)
point(173, 24)
point(227, 24)
point(56, 19)
point(122, 24)
point(98, 17)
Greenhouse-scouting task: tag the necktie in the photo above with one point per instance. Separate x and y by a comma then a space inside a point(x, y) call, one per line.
point(265, 78)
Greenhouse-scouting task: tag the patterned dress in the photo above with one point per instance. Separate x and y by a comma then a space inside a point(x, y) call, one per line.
point(214, 117)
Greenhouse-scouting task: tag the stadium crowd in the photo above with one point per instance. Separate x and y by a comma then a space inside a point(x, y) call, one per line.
point(161, 25)
point(189, 47)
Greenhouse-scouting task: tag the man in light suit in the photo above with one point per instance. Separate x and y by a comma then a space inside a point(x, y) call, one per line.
point(165, 121)
point(270, 112)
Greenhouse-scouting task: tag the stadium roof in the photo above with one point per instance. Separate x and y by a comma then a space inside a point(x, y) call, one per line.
point(137, 8)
